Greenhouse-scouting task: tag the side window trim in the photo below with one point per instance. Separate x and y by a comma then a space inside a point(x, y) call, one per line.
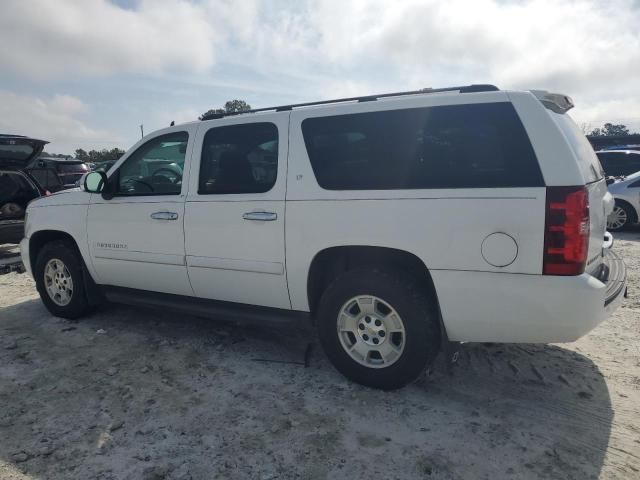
point(114, 178)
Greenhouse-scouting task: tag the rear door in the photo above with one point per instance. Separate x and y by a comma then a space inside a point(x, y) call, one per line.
point(235, 211)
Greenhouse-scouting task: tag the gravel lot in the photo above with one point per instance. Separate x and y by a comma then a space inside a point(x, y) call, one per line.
point(136, 394)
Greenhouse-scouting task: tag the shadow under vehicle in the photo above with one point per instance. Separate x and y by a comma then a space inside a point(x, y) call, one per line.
point(252, 402)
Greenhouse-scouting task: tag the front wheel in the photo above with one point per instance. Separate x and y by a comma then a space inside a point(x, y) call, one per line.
point(379, 329)
point(59, 280)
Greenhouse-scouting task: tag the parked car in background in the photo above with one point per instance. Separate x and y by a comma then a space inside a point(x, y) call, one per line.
point(17, 187)
point(57, 173)
point(622, 147)
point(103, 166)
point(626, 192)
point(619, 163)
point(396, 222)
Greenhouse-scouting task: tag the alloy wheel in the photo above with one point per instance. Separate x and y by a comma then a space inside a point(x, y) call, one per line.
point(371, 332)
point(617, 219)
point(58, 282)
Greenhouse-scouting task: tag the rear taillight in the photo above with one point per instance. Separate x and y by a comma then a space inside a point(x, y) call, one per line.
point(566, 234)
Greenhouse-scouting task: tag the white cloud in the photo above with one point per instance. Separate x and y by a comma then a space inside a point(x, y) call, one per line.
point(68, 104)
point(54, 119)
point(97, 37)
point(589, 49)
point(294, 50)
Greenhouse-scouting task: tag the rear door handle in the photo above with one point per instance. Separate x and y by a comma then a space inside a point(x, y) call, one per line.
point(164, 216)
point(260, 216)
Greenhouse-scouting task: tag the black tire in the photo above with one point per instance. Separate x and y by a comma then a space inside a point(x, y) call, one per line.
point(630, 217)
point(67, 253)
point(415, 306)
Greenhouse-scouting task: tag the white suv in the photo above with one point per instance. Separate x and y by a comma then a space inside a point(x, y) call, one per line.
point(397, 223)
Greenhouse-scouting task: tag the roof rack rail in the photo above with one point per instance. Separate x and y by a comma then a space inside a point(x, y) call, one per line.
point(367, 98)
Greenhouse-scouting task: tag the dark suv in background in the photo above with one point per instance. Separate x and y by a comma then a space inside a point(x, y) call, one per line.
point(57, 173)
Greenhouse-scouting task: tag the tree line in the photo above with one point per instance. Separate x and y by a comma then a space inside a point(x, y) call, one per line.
point(611, 130)
point(97, 156)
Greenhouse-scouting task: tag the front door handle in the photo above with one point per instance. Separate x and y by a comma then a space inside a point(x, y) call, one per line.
point(164, 216)
point(261, 216)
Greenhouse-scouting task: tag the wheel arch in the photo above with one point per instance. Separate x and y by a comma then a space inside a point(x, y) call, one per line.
point(40, 238)
point(328, 263)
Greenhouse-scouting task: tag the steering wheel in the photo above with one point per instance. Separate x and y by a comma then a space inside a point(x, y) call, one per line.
point(172, 176)
point(132, 180)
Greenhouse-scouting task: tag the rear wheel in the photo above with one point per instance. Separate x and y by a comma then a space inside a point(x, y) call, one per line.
point(378, 329)
point(59, 280)
point(621, 217)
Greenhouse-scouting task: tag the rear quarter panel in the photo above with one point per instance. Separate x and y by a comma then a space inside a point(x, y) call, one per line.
point(566, 158)
point(445, 228)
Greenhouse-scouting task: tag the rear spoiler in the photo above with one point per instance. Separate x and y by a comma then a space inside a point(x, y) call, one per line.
point(556, 102)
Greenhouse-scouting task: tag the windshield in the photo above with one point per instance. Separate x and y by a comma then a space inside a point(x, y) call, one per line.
point(15, 152)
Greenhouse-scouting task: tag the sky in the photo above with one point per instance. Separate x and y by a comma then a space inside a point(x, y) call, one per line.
point(87, 73)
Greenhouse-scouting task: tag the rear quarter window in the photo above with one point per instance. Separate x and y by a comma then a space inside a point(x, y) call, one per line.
point(457, 146)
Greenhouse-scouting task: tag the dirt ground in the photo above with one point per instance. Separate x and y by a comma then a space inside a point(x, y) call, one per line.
point(146, 395)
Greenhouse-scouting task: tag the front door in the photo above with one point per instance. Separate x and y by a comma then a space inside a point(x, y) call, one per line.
point(234, 219)
point(136, 239)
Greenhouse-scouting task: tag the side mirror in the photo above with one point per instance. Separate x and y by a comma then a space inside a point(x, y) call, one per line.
point(94, 182)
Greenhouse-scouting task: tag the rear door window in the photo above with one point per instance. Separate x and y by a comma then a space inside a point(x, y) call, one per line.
point(457, 146)
point(239, 159)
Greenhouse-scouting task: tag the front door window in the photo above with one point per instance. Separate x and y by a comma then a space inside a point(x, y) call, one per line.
point(155, 168)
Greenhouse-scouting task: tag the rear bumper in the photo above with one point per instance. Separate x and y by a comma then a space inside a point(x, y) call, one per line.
point(500, 307)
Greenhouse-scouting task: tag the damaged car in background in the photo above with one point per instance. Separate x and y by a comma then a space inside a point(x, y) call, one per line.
point(17, 186)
